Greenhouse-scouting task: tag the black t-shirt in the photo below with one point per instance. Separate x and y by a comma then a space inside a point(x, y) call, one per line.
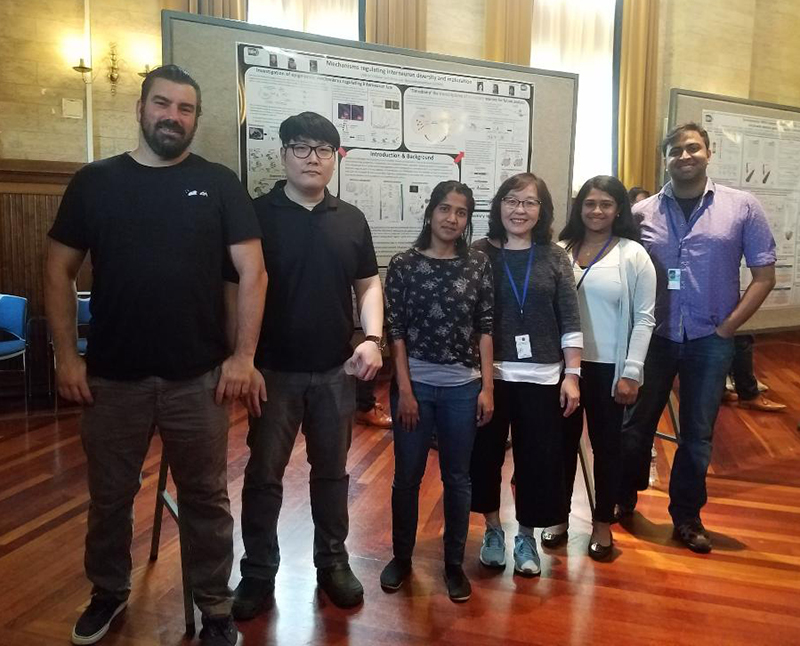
point(687, 205)
point(312, 258)
point(158, 239)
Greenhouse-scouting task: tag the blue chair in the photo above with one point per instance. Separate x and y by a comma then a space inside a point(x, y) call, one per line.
point(84, 317)
point(13, 322)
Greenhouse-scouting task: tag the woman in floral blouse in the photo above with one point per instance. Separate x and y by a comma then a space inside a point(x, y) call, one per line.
point(439, 299)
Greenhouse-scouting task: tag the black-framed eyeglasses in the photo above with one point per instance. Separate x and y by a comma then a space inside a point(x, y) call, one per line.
point(302, 151)
point(528, 205)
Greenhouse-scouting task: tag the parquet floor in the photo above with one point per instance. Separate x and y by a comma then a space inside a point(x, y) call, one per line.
point(653, 592)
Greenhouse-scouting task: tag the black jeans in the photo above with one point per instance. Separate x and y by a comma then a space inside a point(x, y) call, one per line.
point(323, 403)
point(604, 421)
point(742, 367)
point(701, 365)
point(535, 416)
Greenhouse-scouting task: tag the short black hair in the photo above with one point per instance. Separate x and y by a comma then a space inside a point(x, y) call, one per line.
point(624, 226)
point(636, 191)
point(542, 232)
point(311, 126)
point(678, 131)
point(176, 75)
point(439, 193)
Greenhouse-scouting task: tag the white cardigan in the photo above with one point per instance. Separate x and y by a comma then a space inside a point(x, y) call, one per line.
point(635, 321)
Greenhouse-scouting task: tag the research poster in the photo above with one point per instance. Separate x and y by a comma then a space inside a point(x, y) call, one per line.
point(762, 156)
point(403, 131)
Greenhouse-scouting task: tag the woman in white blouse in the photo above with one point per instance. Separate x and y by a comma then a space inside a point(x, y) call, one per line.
point(616, 284)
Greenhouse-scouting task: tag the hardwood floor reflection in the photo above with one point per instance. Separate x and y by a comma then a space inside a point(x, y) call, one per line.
point(653, 592)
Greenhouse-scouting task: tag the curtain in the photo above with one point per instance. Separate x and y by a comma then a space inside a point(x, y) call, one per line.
point(335, 18)
point(233, 9)
point(637, 121)
point(508, 31)
point(578, 36)
point(399, 23)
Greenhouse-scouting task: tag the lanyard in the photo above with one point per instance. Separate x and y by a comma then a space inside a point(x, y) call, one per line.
point(520, 301)
point(591, 264)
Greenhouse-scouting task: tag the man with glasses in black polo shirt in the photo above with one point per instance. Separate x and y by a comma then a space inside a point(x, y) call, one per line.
point(317, 249)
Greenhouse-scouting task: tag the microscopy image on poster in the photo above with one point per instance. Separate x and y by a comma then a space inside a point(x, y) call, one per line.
point(403, 130)
point(762, 156)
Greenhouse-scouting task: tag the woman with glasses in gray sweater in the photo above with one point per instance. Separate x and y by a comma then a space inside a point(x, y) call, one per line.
point(537, 357)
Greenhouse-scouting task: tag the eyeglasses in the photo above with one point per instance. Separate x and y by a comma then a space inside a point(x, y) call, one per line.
point(302, 151)
point(529, 205)
point(605, 205)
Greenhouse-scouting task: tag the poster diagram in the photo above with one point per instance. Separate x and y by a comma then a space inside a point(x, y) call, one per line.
point(762, 156)
point(403, 130)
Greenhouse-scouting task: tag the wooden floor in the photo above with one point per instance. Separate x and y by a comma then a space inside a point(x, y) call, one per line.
point(654, 592)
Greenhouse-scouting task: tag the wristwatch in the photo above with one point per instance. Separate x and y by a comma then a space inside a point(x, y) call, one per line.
point(376, 340)
point(573, 371)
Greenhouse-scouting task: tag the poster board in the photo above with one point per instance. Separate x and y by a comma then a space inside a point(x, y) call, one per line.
point(404, 116)
point(755, 147)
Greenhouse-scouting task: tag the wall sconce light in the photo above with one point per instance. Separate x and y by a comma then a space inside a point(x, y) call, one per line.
point(113, 70)
point(116, 66)
point(83, 69)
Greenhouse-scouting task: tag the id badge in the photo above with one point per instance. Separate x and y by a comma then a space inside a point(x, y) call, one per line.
point(673, 278)
point(523, 346)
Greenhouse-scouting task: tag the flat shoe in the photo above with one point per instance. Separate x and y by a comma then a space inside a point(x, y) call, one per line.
point(600, 552)
point(551, 540)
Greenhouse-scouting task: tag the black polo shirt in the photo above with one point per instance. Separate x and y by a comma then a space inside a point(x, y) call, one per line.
point(312, 259)
point(158, 239)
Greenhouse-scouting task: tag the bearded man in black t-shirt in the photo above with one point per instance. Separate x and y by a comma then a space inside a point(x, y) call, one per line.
point(317, 249)
point(161, 225)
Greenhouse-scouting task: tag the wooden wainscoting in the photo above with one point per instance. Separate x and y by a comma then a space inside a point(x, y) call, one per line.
point(30, 192)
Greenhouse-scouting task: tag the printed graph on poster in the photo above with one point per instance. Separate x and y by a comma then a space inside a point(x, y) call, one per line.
point(403, 130)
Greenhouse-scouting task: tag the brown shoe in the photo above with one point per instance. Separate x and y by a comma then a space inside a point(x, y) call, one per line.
point(761, 403)
point(375, 416)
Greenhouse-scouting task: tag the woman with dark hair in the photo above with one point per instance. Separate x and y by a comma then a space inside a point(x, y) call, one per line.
point(616, 292)
point(536, 331)
point(439, 298)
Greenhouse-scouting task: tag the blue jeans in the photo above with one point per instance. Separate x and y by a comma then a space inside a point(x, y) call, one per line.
point(701, 365)
point(451, 411)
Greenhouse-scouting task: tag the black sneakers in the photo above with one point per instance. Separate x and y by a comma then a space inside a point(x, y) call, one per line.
point(458, 586)
point(694, 536)
point(95, 620)
point(341, 585)
point(395, 572)
point(219, 631)
point(252, 597)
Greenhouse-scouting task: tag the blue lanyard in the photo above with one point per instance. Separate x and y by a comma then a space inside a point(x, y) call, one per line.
point(591, 264)
point(520, 301)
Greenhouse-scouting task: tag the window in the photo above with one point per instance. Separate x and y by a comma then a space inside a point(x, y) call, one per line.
point(578, 36)
point(335, 18)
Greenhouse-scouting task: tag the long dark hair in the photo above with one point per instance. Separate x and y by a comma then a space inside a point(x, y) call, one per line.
point(624, 225)
point(542, 233)
point(439, 193)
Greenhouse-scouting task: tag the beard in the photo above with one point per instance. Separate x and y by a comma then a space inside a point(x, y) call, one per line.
point(167, 138)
